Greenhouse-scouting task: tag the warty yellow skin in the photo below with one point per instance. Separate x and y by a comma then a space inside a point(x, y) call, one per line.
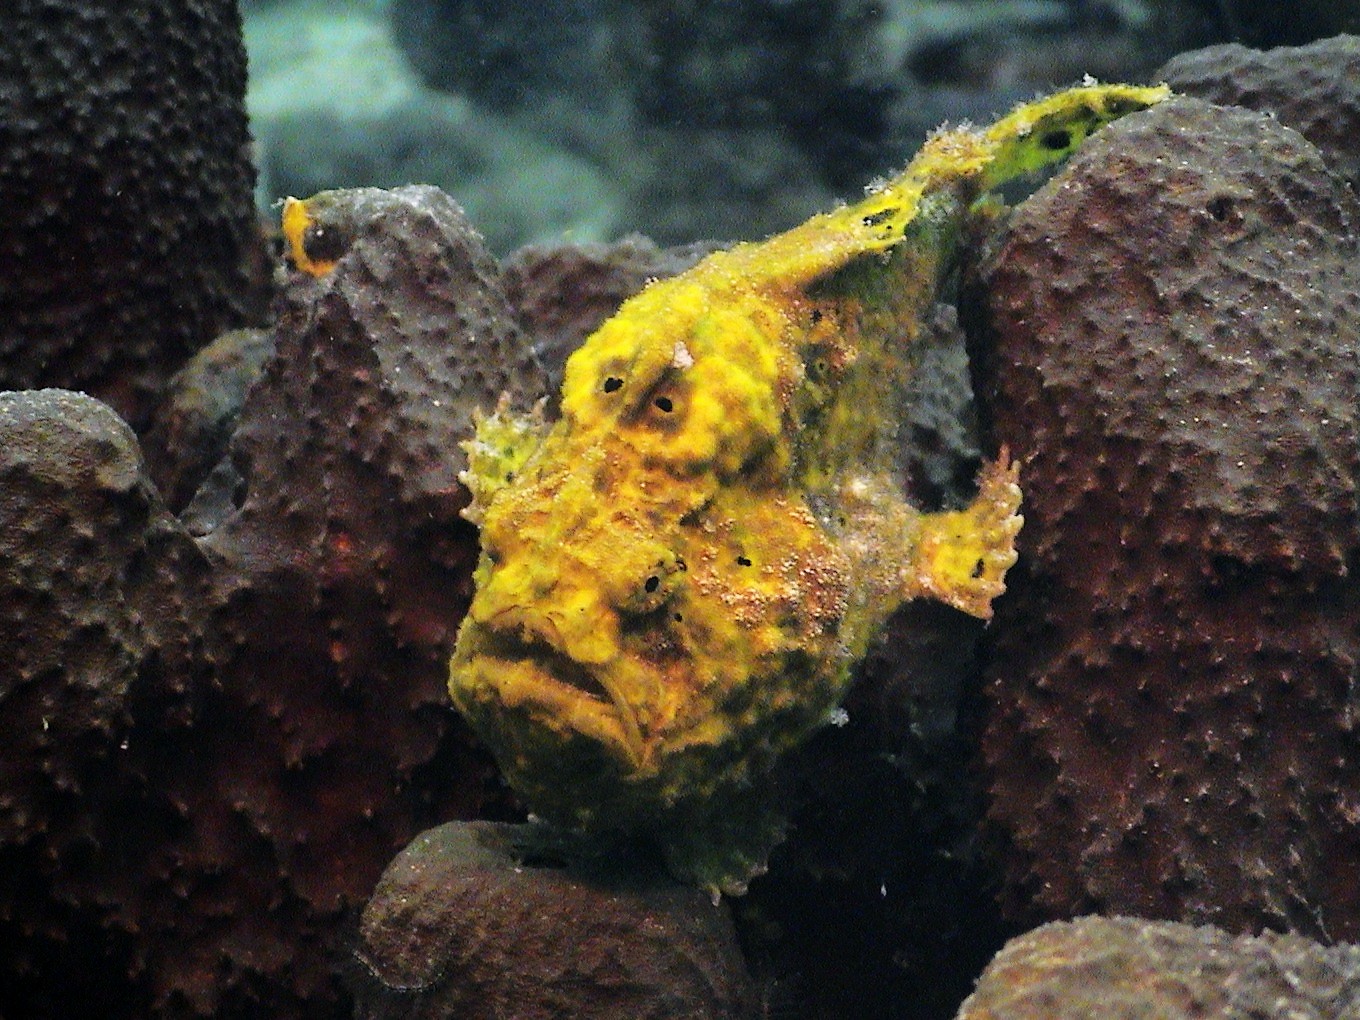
point(677, 575)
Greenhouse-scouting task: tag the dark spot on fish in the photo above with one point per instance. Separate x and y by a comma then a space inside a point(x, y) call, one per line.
point(664, 403)
point(1056, 141)
point(652, 584)
point(612, 383)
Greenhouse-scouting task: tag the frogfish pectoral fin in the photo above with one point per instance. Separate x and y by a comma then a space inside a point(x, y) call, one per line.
point(962, 555)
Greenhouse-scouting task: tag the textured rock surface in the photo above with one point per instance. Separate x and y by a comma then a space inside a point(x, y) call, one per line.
point(940, 452)
point(1120, 968)
point(342, 575)
point(1314, 89)
point(79, 512)
point(197, 417)
point(242, 730)
point(90, 628)
point(400, 343)
point(473, 921)
point(1168, 340)
point(124, 170)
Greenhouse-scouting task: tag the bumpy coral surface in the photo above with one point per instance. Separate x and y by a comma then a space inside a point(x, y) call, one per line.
point(223, 740)
point(1173, 324)
point(1119, 968)
point(78, 509)
point(482, 921)
point(125, 175)
point(92, 628)
point(1315, 89)
point(676, 580)
point(198, 413)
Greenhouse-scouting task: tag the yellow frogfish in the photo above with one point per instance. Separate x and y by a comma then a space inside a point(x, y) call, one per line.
point(678, 574)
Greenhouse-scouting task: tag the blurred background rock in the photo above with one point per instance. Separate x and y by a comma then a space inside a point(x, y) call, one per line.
point(583, 120)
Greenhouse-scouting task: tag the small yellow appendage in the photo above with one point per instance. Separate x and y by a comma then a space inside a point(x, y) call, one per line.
point(501, 443)
point(962, 556)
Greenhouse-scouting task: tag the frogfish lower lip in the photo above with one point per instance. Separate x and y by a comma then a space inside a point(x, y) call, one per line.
point(524, 668)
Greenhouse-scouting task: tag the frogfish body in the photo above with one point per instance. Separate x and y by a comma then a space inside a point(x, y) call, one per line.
point(678, 574)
